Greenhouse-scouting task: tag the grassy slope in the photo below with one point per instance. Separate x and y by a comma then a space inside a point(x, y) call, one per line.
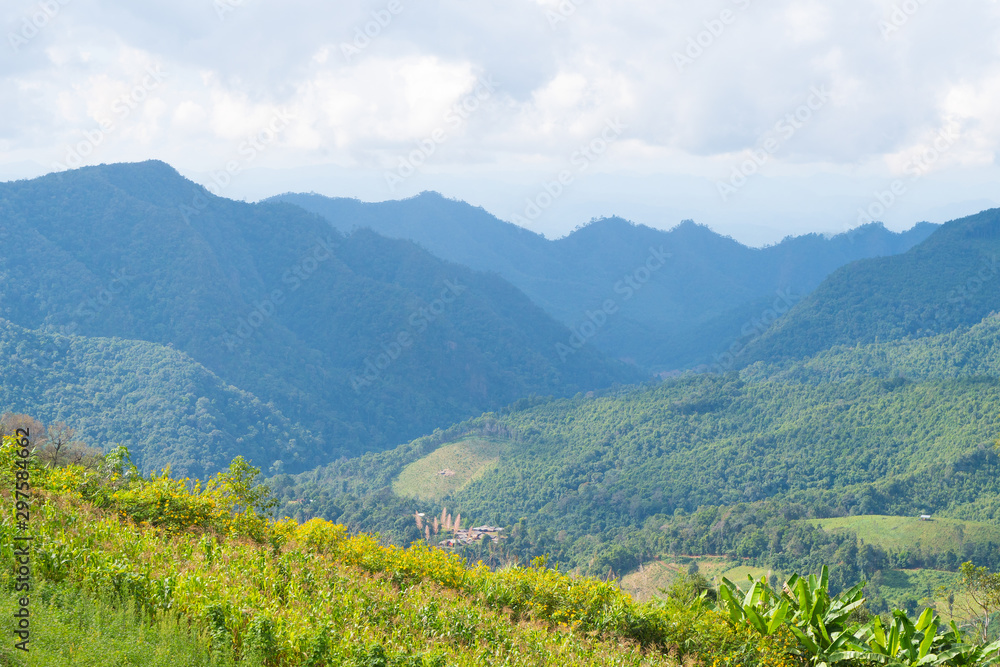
point(655, 576)
point(467, 459)
point(293, 594)
point(897, 533)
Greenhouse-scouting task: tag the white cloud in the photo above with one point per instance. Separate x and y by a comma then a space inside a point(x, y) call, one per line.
point(891, 91)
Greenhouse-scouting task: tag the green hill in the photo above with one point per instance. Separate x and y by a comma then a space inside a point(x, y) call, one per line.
point(947, 282)
point(165, 406)
point(716, 465)
point(901, 533)
point(366, 341)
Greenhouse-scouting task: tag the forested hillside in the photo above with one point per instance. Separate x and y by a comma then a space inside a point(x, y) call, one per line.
point(951, 280)
point(366, 342)
point(586, 477)
point(687, 310)
point(167, 408)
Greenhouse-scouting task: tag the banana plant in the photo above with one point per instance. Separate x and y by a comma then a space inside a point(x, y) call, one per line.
point(817, 620)
point(821, 623)
point(905, 644)
point(760, 607)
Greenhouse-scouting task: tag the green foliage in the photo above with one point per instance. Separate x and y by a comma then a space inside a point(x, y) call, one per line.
point(264, 297)
point(948, 282)
point(826, 628)
point(72, 628)
point(311, 595)
point(167, 408)
point(720, 465)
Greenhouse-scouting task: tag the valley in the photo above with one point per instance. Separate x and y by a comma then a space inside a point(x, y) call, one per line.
point(736, 412)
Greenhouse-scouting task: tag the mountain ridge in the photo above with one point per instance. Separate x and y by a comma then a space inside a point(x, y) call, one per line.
point(277, 303)
point(714, 283)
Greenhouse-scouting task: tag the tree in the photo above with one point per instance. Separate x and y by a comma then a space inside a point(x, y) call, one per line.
point(982, 589)
point(11, 421)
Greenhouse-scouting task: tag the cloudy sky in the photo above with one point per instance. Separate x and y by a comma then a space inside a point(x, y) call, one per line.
point(760, 119)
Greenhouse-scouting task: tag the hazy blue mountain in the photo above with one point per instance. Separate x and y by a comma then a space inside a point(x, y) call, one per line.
point(689, 310)
point(951, 280)
point(365, 341)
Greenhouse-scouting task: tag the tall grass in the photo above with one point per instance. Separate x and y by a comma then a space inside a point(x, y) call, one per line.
point(71, 628)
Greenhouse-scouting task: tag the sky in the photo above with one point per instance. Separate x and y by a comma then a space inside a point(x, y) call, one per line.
point(759, 119)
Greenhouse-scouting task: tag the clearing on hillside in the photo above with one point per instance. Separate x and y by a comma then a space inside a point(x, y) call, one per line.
point(900, 532)
point(646, 583)
point(447, 469)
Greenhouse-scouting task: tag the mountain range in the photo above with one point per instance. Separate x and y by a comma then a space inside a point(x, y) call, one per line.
point(690, 308)
point(363, 341)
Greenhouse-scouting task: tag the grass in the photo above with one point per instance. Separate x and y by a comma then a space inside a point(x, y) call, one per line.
point(467, 459)
point(901, 588)
point(69, 628)
point(897, 533)
point(645, 584)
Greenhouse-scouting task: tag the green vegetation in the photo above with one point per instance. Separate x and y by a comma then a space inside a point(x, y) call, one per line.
point(73, 628)
point(948, 282)
point(207, 579)
point(775, 468)
point(896, 533)
point(155, 570)
point(167, 408)
point(362, 341)
point(636, 470)
point(828, 630)
point(447, 469)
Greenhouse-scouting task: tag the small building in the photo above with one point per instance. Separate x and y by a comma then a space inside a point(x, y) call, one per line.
point(925, 517)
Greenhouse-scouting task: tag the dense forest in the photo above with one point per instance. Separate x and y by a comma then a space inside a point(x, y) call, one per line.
point(947, 282)
point(167, 408)
point(605, 481)
point(366, 342)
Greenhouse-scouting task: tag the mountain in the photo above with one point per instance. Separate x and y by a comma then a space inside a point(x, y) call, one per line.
point(167, 408)
point(667, 312)
point(364, 341)
point(951, 280)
